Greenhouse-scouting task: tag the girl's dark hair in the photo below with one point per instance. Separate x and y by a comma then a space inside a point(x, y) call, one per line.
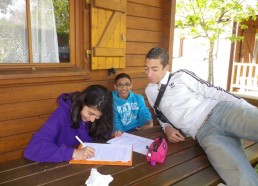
point(101, 98)
point(122, 75)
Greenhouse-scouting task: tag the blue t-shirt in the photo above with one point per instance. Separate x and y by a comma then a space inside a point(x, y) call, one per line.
point(130, 113)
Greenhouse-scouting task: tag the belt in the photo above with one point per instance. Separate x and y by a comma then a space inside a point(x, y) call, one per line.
point(207, 117)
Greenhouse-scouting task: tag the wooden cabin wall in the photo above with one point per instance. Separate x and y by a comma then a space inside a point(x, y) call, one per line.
point(25, 104)
point(244, 49)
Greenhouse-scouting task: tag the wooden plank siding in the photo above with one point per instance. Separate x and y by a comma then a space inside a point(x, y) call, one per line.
point(26, 103)
point(244, 48)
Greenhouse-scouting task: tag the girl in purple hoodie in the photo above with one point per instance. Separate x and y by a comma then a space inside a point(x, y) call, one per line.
point(87, 114)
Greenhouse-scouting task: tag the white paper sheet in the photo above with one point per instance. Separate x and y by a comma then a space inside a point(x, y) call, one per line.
point(139, 143)
point(110, 152)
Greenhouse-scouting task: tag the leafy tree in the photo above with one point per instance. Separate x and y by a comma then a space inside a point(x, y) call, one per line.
point(61, 8)
point(212, 18)
point(62, 15)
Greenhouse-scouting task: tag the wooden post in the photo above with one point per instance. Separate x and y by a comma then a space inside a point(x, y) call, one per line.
point(255, 51)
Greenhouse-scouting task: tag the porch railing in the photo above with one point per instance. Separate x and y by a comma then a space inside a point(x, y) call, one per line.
point(245, 78)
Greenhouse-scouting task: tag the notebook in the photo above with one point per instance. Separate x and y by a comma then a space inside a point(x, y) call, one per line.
point(108, 154)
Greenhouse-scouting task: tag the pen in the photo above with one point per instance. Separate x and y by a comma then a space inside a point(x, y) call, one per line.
point(80, 141)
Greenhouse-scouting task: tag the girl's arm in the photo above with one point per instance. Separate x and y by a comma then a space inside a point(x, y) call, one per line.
point(43, 147)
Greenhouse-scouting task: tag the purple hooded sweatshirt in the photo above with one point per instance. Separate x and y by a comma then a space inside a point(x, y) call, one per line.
point(55, 141)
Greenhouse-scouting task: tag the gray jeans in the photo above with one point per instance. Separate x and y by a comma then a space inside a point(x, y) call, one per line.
point(220, 137)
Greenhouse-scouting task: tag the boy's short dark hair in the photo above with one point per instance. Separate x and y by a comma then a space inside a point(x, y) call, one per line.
point(158, 53)
point(122, 75)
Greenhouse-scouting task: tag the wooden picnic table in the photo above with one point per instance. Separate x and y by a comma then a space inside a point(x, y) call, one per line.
point(185, 164)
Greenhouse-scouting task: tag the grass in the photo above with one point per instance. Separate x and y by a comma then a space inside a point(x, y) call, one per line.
point(256, 168)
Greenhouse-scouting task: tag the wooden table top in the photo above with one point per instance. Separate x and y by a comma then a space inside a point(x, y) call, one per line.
point(185, 164)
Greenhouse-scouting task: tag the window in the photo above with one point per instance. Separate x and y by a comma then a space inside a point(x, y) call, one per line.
point(42, 34)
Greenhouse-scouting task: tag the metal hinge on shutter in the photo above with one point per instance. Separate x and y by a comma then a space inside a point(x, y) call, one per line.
point(88, 53)
point(87, 4)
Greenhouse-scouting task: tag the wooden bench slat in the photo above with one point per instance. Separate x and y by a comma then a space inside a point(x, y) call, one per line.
point(206, 176)
point(209, 176)
point(15, 164)
point(186, 164)
point(143, 171)
point(35, 172)
point(118, 170)
point(173, 175)
point(252, 153)
point(24, 171)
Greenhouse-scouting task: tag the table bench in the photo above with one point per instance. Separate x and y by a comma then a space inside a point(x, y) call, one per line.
point(186, 164)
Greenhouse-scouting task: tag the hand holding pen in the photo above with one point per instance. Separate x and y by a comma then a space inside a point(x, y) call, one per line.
point(83, 153)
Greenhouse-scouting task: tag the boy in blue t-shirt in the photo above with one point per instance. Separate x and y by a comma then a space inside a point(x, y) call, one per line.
point(130, 110)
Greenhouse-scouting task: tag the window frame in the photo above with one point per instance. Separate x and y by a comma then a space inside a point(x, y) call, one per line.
point(75, 69)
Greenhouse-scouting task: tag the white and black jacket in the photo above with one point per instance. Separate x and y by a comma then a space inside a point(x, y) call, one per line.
point(188, 100)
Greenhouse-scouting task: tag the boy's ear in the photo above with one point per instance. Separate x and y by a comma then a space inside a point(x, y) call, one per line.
point(131, 85)
point(166, 67)
point(115, 86)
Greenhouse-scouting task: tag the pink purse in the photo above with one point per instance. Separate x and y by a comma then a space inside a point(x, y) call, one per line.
point(157, 151)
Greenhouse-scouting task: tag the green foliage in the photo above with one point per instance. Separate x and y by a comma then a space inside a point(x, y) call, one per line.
point(61, 8)
point(211, 18)
point(256, 168)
